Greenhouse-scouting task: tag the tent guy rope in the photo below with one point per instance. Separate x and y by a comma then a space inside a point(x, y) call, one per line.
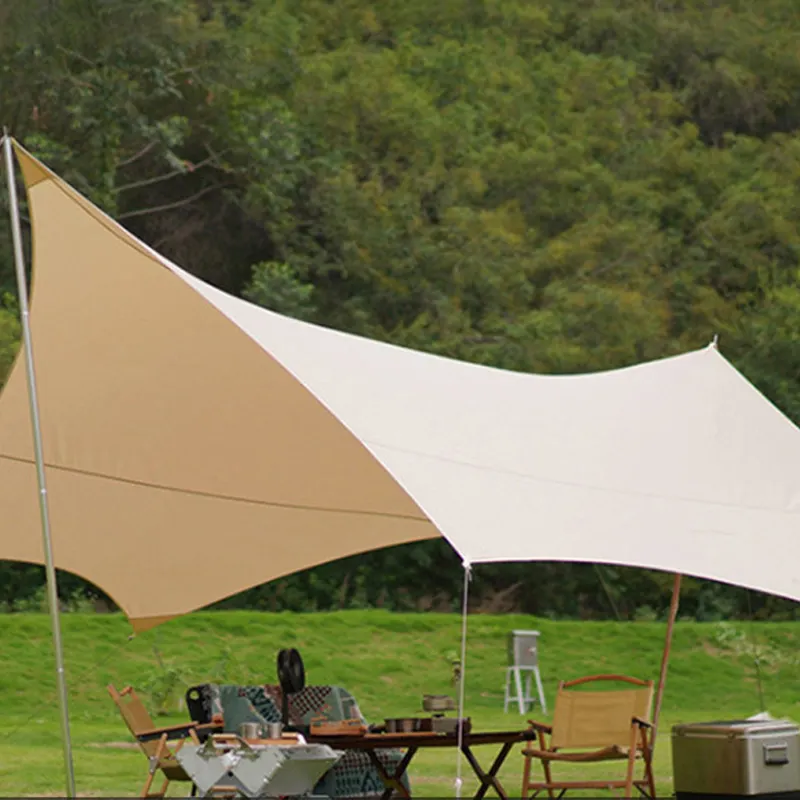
point(52, 585)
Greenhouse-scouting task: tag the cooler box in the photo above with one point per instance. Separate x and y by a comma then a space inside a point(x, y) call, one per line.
point(735, 759)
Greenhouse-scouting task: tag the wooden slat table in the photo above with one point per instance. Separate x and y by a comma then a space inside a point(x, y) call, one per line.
point(412, 742)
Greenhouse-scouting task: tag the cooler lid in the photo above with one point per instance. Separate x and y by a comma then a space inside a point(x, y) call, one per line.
point(735, 728)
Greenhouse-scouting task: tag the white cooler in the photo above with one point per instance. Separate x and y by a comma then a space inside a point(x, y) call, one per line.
point(736, 759)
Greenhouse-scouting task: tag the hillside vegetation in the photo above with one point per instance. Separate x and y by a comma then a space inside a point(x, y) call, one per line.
point(540, 185)
point(387, 660)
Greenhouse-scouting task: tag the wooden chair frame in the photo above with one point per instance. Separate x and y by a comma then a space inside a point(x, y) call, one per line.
point(639, 745)
point(154, 741)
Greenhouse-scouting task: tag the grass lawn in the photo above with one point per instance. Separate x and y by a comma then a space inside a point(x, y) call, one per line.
point(387, 660)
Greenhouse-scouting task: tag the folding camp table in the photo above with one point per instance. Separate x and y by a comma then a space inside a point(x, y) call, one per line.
point(411, 742)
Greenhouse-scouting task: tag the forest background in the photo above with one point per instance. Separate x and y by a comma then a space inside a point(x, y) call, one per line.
point(553, 186)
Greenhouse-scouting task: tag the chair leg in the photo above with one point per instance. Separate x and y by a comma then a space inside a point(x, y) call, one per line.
point(162, 792)
point(648, 762)
point(526, 776)
point(631, 761)
point(153, 768)
point(548, 775)
point(147, 784)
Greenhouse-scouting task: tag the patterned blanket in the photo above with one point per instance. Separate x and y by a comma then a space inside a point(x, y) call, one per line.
point(354, 775)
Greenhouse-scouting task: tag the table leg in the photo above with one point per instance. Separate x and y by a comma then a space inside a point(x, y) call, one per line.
point(393, 782)
point(489, 778)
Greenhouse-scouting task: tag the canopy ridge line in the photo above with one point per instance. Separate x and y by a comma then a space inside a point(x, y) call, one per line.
point(231, 498)
point(50, 571)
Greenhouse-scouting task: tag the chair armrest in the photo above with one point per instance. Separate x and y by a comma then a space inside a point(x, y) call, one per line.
point(180, 731)
point(540, 726)
point(642, 723)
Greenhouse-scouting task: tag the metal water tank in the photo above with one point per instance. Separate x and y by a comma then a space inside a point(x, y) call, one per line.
point(523, 649)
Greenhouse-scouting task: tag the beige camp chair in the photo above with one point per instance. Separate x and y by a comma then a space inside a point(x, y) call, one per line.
point(595, 726)
point(154, 741)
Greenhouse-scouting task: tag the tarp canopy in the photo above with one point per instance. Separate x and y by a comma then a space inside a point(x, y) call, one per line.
point(197, 444)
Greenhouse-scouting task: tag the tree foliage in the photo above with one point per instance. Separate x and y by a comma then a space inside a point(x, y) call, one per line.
point(543, 186)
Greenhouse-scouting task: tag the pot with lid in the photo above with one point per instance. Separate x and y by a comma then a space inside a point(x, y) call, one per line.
point(438, 703)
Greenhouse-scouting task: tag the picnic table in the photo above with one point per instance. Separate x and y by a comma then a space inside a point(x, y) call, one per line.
point(412, 742)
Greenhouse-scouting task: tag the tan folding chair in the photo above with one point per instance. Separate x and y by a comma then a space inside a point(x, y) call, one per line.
point(155, 741)
point(594, 726)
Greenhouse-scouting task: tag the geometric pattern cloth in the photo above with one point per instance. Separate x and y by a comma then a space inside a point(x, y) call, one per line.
point(354, 775)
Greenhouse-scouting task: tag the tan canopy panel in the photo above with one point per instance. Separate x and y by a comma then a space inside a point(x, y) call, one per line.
point(197, 445)
point(184, 463)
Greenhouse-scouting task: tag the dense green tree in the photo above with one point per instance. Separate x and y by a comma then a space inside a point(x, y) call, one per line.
point(542, 186)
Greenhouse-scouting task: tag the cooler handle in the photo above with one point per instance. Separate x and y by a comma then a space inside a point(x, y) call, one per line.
point(776, 754)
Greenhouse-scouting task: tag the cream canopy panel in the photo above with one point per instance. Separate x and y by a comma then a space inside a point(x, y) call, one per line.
point(678, 464)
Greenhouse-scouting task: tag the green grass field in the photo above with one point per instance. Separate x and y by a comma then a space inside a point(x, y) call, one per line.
point(388, 661)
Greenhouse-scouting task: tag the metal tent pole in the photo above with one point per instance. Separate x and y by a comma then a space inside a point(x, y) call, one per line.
point(462, 676)
point(52, 587)
point(662, 677)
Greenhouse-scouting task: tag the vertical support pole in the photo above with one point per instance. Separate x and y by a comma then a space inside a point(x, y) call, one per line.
point(52, 588)
point(463, 676)
point(662, 677)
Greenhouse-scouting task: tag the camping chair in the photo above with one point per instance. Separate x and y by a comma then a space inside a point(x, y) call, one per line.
point(592, 727)
point(154, 741)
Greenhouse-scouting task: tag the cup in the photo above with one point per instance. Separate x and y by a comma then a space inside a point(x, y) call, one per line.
point(274, 730)
point(250, 730)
